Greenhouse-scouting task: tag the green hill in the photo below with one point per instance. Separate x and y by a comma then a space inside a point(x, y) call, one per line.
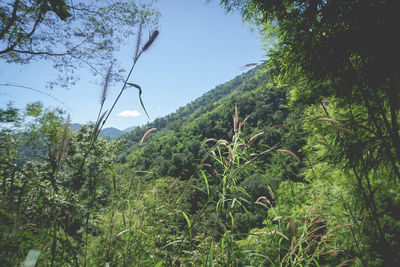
point(175, 148)
point(109, 132)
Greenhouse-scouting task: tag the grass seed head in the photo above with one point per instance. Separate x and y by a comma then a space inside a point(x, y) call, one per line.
point(253, 138)
point(151, 40)
point(271, 193)
point(146, 134)
point(235, 119)
point(290, 153)
point(138, 41)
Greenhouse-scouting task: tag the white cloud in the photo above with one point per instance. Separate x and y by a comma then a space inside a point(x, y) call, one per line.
point(130, 113)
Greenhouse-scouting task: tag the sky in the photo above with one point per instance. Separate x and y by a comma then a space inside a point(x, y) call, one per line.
point(199, 47)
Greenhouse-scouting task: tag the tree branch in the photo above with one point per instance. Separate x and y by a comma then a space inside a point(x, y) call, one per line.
point(16, 42)
point(38, 91)
point(39, 52)
point(11, 21)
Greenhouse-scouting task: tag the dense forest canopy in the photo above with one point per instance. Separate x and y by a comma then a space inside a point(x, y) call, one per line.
point(339, 48)
point(294, 163)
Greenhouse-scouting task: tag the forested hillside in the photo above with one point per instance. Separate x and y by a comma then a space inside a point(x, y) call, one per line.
point(294, 163)
point(175, 149)
point(110, 132)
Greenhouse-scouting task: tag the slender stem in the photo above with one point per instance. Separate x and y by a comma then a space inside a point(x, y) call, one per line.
point(122, 90)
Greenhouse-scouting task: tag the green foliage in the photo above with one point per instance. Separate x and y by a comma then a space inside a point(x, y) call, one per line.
point(329, 48)
point(242, 202)
point(46, 198)
point(309, 178)
point(365, 171)
point(175, 149)
point(325, 55)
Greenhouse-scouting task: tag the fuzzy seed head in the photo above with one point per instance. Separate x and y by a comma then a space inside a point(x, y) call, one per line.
point(150, 41)
point(146, 134)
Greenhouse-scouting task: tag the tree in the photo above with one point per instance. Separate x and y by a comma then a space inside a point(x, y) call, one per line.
point(338, 41)
point(69, 33)
point(51, 182)
point(343, 55)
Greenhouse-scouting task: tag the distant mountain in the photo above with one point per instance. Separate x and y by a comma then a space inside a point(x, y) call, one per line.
point(110, 132)
point(75, 126)
point(127, 130)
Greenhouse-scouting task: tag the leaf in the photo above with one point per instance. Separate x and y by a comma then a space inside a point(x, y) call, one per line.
point(120, 233)
point(189, 225)
point(232, 220)
point(143, 233)
point(233, 203)
point(159, 264)
point(211, 255)
point(174, 242)
point(140, 97)
point(31, 258)
point(206, 181)
point(223, 244)
point(242, 190)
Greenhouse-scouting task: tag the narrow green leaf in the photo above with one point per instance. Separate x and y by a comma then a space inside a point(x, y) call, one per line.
point(140, 96)
point(217, 207)
point(232, 220)
point(211, 255)
point(241, 189)
point(31, 258)
point(189, 225)
point(244, 200)
point(159, 264)
point(206, 181)
point(140, 231)
point(223, 245)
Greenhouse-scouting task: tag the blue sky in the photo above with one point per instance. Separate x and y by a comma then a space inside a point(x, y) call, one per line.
point(198, 48)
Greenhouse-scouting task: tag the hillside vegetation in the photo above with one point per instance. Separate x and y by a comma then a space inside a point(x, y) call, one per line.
point(294, 163)
point(175, 148)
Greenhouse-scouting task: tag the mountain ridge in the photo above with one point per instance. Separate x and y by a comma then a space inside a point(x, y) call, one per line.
point(110, 132)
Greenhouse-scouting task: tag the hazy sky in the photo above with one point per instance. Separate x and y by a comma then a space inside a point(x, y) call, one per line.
point(198, 48)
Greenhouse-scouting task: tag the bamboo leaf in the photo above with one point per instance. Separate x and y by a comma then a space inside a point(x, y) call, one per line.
point(140, 96)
